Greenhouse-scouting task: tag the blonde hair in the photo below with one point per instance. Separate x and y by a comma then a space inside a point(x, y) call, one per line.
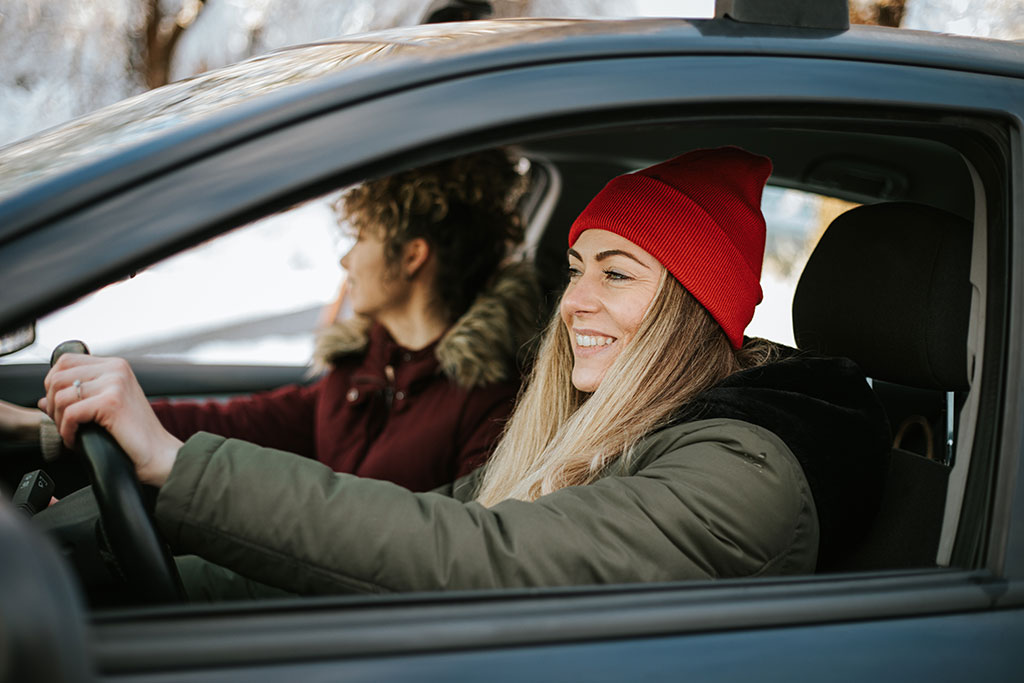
point(559, 436)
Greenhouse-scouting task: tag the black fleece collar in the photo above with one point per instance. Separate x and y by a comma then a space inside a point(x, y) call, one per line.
point(825, 411)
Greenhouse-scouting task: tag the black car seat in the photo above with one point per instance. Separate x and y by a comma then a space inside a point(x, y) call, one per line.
point(888, 287)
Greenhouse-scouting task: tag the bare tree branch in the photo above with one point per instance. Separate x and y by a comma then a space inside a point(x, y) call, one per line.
point(162, 33)
point(878, 12)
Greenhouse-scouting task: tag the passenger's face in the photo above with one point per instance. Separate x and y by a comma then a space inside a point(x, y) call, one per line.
point(373, 289)
point(611, 283)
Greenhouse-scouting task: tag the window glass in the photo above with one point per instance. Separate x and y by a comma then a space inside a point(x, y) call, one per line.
point(254, 295)
point(258, 293)
point(795, 221)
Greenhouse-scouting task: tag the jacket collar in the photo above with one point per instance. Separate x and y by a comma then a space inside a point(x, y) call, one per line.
point(829, 417)
point(482, 347)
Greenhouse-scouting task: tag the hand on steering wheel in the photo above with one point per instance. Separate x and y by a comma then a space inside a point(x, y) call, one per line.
point(83, 393)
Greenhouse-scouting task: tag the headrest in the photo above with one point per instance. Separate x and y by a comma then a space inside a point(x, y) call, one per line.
point(888, 286)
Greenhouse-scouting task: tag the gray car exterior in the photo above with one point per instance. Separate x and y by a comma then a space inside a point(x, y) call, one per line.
point(90, 202)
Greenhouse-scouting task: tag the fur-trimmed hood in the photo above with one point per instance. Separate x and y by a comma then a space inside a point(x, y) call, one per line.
point(484, 346)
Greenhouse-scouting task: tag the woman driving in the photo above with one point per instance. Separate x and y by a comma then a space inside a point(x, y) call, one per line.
point(652, 443)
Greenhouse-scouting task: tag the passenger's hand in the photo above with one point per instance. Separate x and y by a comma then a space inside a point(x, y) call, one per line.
point(19, 423)
point(82, 389)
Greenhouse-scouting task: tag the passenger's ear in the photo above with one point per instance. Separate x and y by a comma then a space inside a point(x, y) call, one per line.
point(415, 254)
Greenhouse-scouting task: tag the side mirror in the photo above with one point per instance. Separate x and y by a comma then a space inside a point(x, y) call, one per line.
point(17, 339)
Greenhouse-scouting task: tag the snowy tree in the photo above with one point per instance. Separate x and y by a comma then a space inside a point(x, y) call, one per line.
point(1002, 19)
point(164, 26)
point(64, 58)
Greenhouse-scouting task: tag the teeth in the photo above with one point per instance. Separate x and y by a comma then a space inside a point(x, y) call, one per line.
point(585, 340)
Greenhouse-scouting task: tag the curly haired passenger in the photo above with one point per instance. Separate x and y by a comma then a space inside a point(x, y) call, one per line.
point(420, 381)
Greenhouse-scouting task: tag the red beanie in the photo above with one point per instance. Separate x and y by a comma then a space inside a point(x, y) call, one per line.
point(699, 214)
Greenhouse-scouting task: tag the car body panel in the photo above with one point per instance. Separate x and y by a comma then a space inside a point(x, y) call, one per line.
point(398, 626)
point(1008, 508)
point(175, 135)
point(898, 650)
point(557, 93)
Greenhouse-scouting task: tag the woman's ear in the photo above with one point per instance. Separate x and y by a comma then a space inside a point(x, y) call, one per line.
point(415, 254)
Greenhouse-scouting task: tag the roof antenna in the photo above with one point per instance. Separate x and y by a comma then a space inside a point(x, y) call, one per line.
point(441, 11)
point(828, 14)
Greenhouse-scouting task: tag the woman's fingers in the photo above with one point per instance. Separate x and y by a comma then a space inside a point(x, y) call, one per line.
point(82, 389)
point(72, 412)
point(68, 369)
point(79, 392)
point(63, 399)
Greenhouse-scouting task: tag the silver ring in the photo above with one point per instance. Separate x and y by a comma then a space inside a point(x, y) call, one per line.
point(77, 384)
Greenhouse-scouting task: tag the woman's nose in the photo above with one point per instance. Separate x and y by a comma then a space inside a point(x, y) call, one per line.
point(345, 258)
point(580, 296)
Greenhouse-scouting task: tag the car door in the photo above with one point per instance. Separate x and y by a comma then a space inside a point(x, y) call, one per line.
point(945, 622)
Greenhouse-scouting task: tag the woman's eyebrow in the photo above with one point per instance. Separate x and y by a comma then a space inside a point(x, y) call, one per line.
point(602, 255)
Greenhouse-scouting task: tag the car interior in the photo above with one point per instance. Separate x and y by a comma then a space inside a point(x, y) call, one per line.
point(897, 283)
point(892, 284)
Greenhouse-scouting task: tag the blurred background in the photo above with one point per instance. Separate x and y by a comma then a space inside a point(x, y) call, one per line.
point(65, 58)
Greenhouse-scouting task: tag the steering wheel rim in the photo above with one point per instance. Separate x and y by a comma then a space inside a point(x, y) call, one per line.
point(141, 553)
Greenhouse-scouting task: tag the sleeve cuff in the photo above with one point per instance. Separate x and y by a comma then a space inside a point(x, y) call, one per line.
point(50, 442)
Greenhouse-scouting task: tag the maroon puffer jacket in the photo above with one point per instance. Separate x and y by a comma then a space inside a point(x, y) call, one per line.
point(388, 414)
point(417, 418)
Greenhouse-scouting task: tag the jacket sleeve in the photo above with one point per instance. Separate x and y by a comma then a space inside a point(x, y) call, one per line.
point(283, 418)
point(716, 503)
point(464, 488)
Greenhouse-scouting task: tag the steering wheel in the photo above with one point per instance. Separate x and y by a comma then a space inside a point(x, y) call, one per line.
point(140, 552)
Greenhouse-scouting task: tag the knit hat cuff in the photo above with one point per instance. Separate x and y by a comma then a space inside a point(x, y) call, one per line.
point(702, 258)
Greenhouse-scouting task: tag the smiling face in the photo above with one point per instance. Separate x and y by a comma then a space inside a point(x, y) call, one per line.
point(611, 283)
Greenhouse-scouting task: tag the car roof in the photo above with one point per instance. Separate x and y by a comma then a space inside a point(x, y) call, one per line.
point(167, 126)
point(510, 41)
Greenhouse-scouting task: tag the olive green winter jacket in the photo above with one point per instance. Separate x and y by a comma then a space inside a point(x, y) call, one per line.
point(704, 499)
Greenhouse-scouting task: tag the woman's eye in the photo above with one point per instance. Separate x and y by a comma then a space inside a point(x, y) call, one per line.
point(616, 275)
point(574, 272)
